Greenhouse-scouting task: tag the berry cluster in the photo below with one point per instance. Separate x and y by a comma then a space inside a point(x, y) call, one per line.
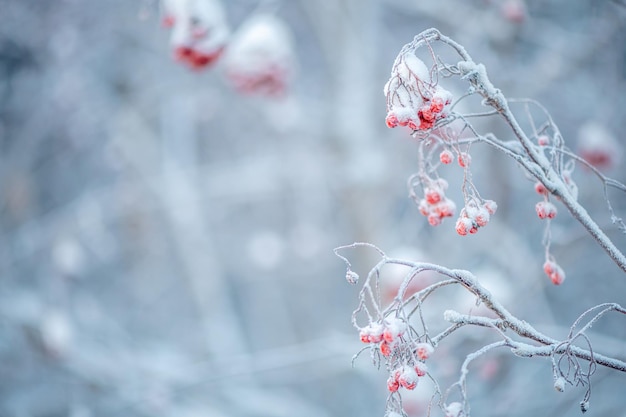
point(260, 57)
point(598, 146)
point(386, 334)
point(474, 216)
point(413, 100)
point(554, 272)
point(199, 31)
point(408, 374)
point(545, 210)
point(435, 205)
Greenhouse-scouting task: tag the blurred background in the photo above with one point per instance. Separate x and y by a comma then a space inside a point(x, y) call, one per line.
point(167, 239)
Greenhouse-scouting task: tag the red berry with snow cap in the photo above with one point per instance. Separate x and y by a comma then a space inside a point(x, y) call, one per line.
point(446, 157)
point(545, 210)
point(391, 120)
point(424, 350)
point(392, 384)
point(407, 377)
point(540, 188)
point(421, 369)
point(385, 348)
point(464, 159)
point(464, 226)
point(554, 272)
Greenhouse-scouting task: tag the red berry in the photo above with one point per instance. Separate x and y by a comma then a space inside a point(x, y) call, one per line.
point(446, 157)
point(168, 21)
point(423, 350)
point(540, 188)
point(554, 272)
point(391, 120)
point(433, 195)
point(385, 348)
point(434, 219)
point(545, 210)
point(392, 384)
point(426, 114)
point(406, 376)
point(491, 206)
point(464, 159)
point(421, 369)
point(464, 226)
point(436, 105)
point(182, 53)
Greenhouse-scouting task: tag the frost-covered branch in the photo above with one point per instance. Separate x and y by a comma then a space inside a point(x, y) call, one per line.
point(417, 99)
point(398, 336)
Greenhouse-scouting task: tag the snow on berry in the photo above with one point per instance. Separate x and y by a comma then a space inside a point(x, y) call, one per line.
point(598, 146)
point(392, 384)
point(413, 99)
point(424, 350)
point(434, 219)
point(545, 210)
point(199, 31)
point(444, 208)
point(464, 226)
point(421, 369)
point(407, 377)
point(543, 140)
point(491, 206)
point(482, 216)
point(559, 384)
point(372, 333)
point(540, 188)
point(393, 328)
point(435, 206)
point(554, 272)
point(260, 58)
point(391, 120)
point(454, 410)
point(433, 195)
point(385, 348)
point(464, 159)
point(352, 277)
point(446, 157)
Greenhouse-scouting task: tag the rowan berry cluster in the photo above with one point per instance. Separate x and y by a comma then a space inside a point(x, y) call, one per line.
point(474, 215)
point(554, 272)
point(598, 146)
point(435, 205)
point(386, 334)
point(260, 57)
point(545, 210)
point(413, 99)
point(199, 31)
point(407, 375)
